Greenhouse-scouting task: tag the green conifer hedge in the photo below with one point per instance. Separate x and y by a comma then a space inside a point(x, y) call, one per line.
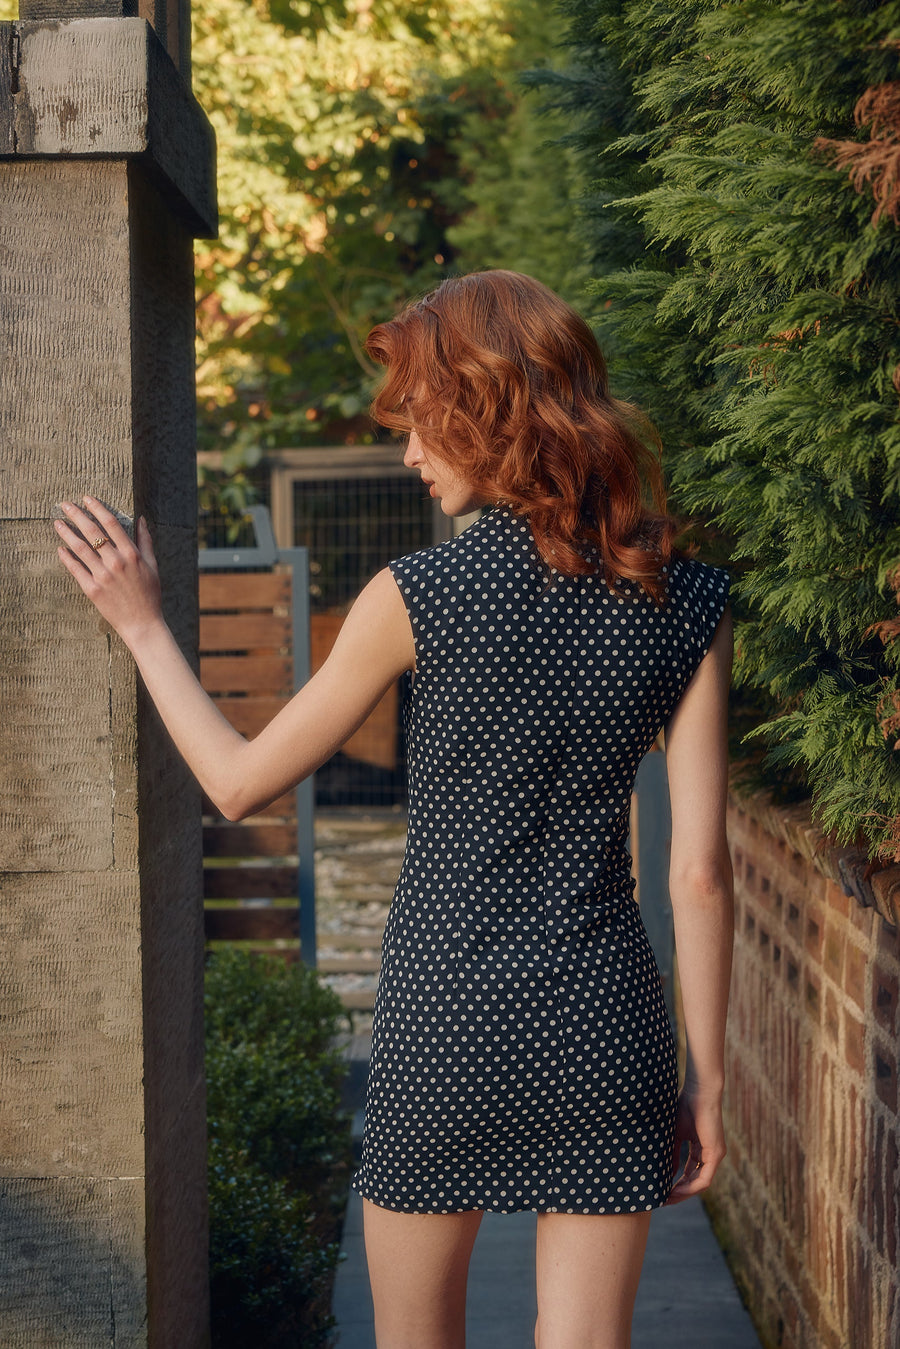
point(751, 305)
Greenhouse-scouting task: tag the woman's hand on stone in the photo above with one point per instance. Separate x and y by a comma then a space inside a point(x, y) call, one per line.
point(120, 577)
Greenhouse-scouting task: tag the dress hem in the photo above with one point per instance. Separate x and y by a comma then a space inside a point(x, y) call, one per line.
point(525, 1207)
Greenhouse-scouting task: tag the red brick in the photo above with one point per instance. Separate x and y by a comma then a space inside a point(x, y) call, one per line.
point(889, 940)
point(840, 1270)
point(810, 1224)
point(854, 1042)
point(875, 1168)
point(790, 1313)
point(861, 1301)
point(890, 1205)
point(884, 1070)
point(789, 1059)
point(814, 935)
point(793, 917)
point(833, 956)
point(864, 919)
point(885, 994)
point(856, 968)
point(829, 1338)
point(809, 1302)
point(837, 900)
point(791, 1263)
point(832, 1020)
point(797, 866)
point(861, 1115)
point(812, 997)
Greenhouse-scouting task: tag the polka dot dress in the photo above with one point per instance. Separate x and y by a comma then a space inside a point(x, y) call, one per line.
point(521, 1053)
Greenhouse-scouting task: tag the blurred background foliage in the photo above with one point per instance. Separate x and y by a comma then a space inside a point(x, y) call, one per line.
point(352, 138)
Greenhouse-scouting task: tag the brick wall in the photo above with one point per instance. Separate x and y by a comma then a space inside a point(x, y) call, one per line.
point(807, 1199)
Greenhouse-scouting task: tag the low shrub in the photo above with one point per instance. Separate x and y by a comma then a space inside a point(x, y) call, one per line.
point(278, 1151)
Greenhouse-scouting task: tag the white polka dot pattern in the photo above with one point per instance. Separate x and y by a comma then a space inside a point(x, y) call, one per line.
point(522, 1056)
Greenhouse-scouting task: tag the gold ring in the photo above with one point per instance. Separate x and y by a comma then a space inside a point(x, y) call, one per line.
point(98, 543)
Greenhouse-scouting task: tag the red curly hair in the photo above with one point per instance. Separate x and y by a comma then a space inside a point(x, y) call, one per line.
point(505, 381)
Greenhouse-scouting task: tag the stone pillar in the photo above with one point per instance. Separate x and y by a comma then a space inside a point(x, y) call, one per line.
point(106, 173)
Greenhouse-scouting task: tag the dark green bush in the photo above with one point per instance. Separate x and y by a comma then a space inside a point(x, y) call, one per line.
point(751, 304)
point(278, 1151)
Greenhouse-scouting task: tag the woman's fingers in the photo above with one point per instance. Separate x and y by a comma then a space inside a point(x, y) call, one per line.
point(120, 577)
point(78, 545)
point(93, 535)
point(145, 543)
point(105, 517)
point(72, 565)
point(100, 528)
point(696, 1177)
point(699, 1125)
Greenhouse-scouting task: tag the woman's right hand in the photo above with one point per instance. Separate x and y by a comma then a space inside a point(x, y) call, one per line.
point(698, 1123)
point(120, 577)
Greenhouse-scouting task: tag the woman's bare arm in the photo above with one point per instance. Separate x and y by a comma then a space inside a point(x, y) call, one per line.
point(700, 886)
point(374, 646)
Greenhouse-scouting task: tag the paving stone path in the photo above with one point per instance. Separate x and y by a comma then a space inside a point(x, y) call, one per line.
point(358, 857)
point(687, 1298)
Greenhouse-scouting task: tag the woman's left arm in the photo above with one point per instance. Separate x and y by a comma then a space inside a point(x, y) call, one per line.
point(374, 647)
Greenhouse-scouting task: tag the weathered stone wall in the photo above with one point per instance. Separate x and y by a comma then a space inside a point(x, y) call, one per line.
point(102, 1129)
point(807, 1197)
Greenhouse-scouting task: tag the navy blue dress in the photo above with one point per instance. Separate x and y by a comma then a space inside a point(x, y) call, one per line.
point(522, 1056)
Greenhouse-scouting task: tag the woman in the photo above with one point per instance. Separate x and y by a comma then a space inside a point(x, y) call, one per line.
point(522, 1057)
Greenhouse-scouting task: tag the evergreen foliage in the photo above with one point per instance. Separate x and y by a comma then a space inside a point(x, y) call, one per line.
point(278, 1150)
point(750, 305)
point(518, 183)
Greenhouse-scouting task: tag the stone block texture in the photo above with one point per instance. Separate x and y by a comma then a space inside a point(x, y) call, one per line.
point(102, 1128)
point(807, 1199)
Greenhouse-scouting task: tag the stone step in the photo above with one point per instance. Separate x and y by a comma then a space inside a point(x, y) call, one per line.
point(350, 964)
point(354, 939)
point(358, 999)
point(332, 898)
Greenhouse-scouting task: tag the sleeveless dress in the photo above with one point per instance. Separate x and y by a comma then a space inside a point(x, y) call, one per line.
point(522, 1056)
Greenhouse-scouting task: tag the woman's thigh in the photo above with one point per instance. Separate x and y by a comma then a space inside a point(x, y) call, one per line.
point(418, 1265)
point(588, 1268)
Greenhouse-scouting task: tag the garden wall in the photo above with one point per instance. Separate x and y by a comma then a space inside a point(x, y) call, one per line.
point(806, 1202)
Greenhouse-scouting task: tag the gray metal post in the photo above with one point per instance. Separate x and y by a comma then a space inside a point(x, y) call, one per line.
point(298, 559)
point(654, 842)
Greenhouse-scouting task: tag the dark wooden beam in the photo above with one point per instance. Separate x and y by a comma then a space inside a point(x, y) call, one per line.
point(78, 9)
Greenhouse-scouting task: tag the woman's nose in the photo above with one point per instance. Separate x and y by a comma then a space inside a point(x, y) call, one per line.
point(413, 456)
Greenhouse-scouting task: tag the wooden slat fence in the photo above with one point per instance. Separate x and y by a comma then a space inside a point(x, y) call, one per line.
point(250, 872)
point(246, 665)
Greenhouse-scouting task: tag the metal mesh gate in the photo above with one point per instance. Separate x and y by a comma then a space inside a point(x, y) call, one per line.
point(353, 509)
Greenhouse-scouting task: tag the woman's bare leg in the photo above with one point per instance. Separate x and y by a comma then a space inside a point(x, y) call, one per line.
point(588, 1267)
point(418, 1265)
